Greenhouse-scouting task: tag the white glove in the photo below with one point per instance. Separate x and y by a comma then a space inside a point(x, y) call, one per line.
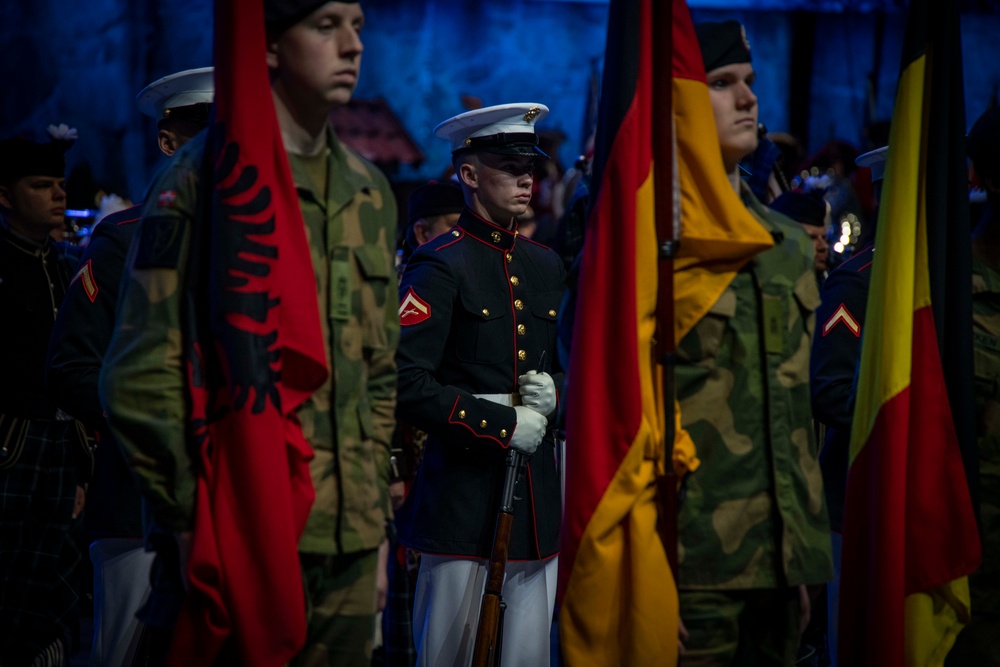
point(529, 431)
point(538, 392)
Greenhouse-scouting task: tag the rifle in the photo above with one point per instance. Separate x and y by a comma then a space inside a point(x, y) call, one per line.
point(489, 634)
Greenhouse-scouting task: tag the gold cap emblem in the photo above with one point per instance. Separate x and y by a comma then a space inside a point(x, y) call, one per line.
point(531, 113)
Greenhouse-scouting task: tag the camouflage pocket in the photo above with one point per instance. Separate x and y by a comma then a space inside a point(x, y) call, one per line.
point(807, 297)
point(708, 335)
point(374, 264)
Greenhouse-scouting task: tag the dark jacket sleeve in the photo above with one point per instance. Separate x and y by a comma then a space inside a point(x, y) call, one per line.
point(836, 347)
point(444, 411)
point(84, 325)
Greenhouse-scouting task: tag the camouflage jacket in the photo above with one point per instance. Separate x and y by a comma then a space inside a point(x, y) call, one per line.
point(985, 583)
point(753, 515)
point(348, 421)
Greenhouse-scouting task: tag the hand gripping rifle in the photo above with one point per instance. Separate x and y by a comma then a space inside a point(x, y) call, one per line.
point(489, 635)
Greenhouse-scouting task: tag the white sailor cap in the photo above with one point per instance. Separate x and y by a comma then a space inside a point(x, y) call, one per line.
point(505, 129)
point(874, 160)
point(164, 97)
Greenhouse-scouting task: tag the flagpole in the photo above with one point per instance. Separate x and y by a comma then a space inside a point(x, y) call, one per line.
point(667, 242)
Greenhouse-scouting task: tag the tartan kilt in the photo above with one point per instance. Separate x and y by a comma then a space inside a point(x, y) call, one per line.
point(39, 558)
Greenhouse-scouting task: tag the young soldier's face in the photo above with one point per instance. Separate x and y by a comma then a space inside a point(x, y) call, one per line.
point(735, 109)
point(35, 205)
point(503, 184)
point(318, 59)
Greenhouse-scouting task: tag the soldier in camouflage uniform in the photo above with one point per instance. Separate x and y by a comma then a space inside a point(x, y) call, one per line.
point(753, 528)
point(979, 643)
point(350, 217)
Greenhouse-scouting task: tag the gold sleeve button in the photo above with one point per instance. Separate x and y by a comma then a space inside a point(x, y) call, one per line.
point(503, 433)
point(461, 414)
point(482, 424)
point(522, 355)
point(455, 232)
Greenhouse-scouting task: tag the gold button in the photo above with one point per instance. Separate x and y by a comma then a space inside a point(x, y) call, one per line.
point(518, 304)
point(461, 414)
point(520, 329)
point(486, 312)
point(522, 355)
point(503, 433)
point(510, 257)
point(515, 281)
point(482, 424)
point(552, 313)
point(496, 237)
point(455, 232)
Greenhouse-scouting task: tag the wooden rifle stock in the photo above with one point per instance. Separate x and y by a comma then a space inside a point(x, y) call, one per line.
point(489, 634)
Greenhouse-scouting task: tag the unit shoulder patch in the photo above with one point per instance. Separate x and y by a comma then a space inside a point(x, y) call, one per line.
point(413, 309)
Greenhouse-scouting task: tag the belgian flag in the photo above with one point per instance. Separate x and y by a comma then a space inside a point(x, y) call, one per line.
point(619, 601)
point(254, 353)
point(910, 535)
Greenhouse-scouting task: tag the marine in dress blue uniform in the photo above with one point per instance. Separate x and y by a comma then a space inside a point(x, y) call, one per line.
point(180, 104)
point(836, 350)
point(478, 309)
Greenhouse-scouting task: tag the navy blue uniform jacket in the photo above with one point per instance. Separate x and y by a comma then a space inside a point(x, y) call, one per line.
point(79, 340)
point(478, 309)
point(836, 351)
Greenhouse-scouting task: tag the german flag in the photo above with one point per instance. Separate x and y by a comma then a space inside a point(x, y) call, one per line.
point(618, 597)
point(910, 535)
point(255, 352)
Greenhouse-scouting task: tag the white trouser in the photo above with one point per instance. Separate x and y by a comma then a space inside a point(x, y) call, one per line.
point(121, 585)
point(446, 610)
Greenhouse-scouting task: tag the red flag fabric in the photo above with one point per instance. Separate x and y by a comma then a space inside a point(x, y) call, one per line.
point(910, 534)
point(256, 359)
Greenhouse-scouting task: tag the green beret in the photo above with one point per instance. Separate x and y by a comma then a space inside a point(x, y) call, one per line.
point(723, 43)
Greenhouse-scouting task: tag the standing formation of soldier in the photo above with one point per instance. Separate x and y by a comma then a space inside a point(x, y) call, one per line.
point(469, 358)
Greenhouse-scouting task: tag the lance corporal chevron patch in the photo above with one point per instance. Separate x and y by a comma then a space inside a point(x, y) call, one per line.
point(413, 309)
point(86, 277)
point(842, 315)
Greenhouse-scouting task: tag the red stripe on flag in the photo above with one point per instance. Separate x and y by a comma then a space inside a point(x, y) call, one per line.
point(908, 525)
point(604, 421)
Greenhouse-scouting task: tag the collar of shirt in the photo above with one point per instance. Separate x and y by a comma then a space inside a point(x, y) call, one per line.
point(486, 232)
point(346, 176)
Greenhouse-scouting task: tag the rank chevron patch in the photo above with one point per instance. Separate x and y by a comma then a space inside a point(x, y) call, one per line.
point(842, 315)
point(86, 277)
point(413, 309)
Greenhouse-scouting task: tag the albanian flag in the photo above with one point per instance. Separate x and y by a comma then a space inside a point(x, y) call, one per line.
point(254, 354)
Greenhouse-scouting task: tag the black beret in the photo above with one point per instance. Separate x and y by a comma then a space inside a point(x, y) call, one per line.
point(280, 15)
point(801, 207)
point(723, 43)
point(984, 143)
point(431, 199)
point(20, 157)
